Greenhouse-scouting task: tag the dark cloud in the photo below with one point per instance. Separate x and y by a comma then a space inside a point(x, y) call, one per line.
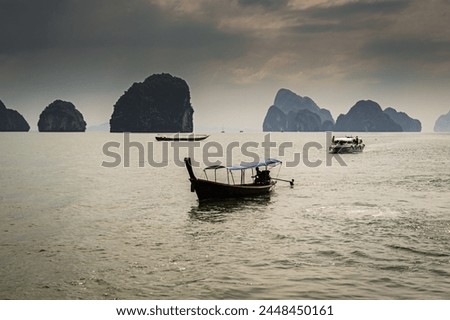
point(267, 4)
point(87, 49)
point(105, 25)
point(25, 25)
point(347, 17)
point(340, 27)
point(75, 49)
point(351, 10)
point(408, 50)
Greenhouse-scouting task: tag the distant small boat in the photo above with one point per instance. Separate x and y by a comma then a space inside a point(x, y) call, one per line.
point(262, 182)
point(346, 145)
point(178, 137)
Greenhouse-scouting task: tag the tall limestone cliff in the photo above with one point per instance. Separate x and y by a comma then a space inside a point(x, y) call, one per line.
point(300, 114)
point(162, 103)
point(303, 120)
point(276, 120)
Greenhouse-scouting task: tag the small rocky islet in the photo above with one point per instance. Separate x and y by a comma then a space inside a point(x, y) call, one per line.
point(61, 116)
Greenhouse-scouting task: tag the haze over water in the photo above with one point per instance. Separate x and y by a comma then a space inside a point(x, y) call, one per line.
point(378, 228)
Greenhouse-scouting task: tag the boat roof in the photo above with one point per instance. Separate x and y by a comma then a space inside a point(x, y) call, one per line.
point(214, 167)
point(347, 139)
point(248, 165)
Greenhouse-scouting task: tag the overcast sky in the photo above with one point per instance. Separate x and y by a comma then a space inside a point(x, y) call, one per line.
point(234, 55)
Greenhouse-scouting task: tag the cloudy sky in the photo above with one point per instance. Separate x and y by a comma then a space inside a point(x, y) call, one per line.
point(234, 54)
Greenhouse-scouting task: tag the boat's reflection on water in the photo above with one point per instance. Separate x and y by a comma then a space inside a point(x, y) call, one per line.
point(216, 211)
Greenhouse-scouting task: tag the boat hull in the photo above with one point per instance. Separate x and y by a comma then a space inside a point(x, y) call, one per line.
point(346, 149)
point(188, 138)
point(215, 190)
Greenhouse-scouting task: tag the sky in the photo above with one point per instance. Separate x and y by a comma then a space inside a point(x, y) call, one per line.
point(235, 55)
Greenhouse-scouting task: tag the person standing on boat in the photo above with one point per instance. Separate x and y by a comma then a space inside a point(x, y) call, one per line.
point(258, 175)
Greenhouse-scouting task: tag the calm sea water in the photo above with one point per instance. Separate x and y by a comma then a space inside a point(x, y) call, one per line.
point(378, 228)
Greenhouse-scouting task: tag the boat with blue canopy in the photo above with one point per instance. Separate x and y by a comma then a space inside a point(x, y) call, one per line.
point(237, 180)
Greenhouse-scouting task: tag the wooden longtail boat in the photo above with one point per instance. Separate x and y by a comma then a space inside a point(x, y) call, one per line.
point(178, 137)
point(211, 189)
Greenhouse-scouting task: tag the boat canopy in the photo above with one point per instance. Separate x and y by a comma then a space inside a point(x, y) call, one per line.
point(215, 167)
point(252, 165)
point(248, 165)
point(347, 139)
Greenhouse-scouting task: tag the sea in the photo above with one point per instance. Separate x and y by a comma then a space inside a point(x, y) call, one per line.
point(99, 215)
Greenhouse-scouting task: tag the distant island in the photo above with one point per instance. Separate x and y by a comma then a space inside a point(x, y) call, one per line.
point(407, 123)
point(162, 103)
point(61, 116)
point(11, 120)
point(443, 123)
point(366, 116)
point(291, 112)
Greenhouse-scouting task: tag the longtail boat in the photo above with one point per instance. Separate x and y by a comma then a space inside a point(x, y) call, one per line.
point(262, 182)
point(179, 137)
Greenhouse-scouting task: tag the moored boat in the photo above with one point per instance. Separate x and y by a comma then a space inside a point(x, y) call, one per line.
point(347, 144)
point(262, 182)
point(179, 137)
